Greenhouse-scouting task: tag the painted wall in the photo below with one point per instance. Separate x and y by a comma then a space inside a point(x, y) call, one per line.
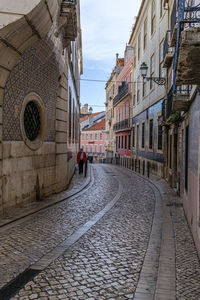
point(191, 195)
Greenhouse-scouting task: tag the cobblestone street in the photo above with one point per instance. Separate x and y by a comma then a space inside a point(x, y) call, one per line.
point(106, 242)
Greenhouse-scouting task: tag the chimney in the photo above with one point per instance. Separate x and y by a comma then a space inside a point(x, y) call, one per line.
point(117, 58)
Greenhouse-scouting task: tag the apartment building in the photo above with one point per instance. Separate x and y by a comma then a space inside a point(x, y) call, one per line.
point(147, 40)
point(110, 141)
point(122, 104)
point(93, 136)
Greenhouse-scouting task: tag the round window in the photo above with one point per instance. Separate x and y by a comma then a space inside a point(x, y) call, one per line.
point(32, 120)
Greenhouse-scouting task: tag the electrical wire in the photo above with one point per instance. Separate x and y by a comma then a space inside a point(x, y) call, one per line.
point(105, 81)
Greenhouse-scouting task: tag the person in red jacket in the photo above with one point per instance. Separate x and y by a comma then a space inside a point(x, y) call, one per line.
point(81, 159)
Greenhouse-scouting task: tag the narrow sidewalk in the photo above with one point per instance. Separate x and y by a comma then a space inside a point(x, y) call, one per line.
point(77, 184)
point(178, 268)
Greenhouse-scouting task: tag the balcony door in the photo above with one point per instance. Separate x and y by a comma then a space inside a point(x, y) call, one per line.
point(137, 142)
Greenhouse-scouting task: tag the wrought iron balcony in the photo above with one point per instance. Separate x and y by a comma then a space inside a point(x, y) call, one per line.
point(122, 92)
point(168, 51)
point(123, 125)
point(180, 101)
point(187, 50)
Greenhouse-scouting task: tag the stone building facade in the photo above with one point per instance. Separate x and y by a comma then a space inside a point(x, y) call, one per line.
point(111, 90)
point(40, 57)
point(147, 41)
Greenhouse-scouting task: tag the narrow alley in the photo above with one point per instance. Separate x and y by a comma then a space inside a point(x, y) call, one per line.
point(121, 237)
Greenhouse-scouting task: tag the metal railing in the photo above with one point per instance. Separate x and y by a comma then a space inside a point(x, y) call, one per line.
point(122, 92)
point(181, 89)
point(124, 124)
point(69, 1)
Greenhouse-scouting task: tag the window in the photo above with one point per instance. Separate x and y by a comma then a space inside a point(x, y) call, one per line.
point(153, 17)
point(126, 111)
point(138, 90)
point(152, 70)
point(139, 46)
point(116, 142)
point(70, 115)
point(131, 82)
point(161, 58)
point(83, 147)
point(82, 136)
point(73, 122)
point(122, 112)
point(87, 148)
point(91, 150)
point(96, 137)
point(95, 148)
point(161, 8)
point(86, 136)
point(100, 149)
point(133, 142)
point(143, 135)
point(134, 57)
point(32, 122)
point(91, 136)
point(119, 142)
point(122, 141)
point(125, 137)
point(151, 134)
point(144, 89)
point(160, 138)
point(145, 34)
point(129, 142)
point(101, 136)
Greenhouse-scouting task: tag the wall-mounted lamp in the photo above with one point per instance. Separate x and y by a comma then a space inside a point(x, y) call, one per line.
point(143, 73)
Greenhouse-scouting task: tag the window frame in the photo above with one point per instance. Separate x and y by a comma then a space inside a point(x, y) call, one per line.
point(152, 135)
point(143, 135)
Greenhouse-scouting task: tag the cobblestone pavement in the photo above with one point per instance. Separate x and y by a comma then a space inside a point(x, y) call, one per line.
point(106, 262)
point(77, 183)
point(23, 244)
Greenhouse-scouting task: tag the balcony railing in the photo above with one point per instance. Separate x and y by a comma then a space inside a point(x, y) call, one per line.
point(188, 17)
point(69, 1)
point(122, 92)
point(125, 124)
point(177, 102)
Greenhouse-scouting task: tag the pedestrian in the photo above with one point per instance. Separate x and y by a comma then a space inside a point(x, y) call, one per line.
point(81, 159)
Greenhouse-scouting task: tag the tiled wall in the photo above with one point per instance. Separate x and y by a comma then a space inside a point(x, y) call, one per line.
point(36, 71)
point(152, 111)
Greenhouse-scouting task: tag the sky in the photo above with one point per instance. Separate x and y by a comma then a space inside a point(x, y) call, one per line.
point(106, 29)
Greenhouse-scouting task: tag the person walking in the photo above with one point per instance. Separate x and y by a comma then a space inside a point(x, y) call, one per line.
point(81, 159)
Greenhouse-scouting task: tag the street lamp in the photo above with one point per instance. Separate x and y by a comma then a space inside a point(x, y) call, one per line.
point(143, 73)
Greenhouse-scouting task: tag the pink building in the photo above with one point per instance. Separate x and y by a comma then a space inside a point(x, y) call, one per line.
point(122, 106)
point(93, 136)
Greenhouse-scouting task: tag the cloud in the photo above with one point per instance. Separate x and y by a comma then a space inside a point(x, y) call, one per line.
point(106, 27)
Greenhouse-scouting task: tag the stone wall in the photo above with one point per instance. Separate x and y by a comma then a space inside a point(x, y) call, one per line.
point(33, 67)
